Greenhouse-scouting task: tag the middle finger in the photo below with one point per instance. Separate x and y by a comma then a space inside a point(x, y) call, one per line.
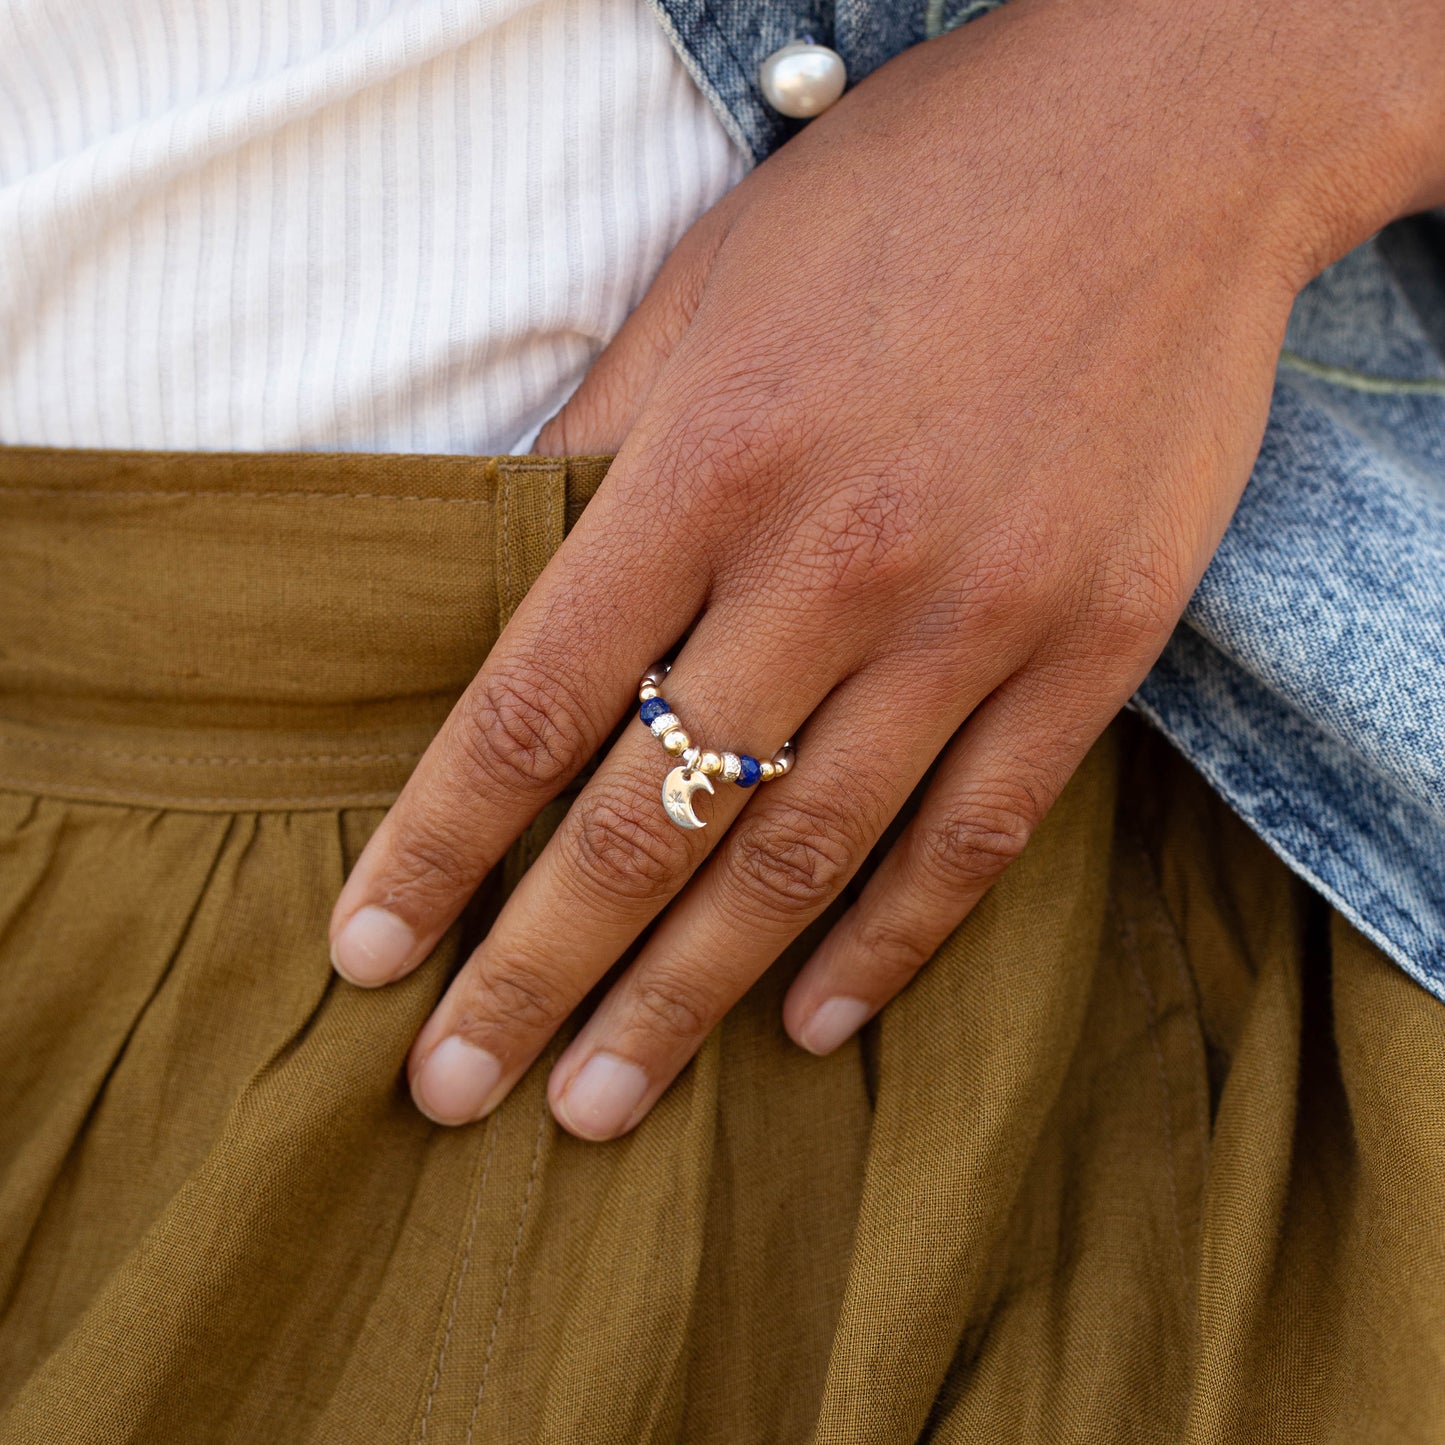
point(778, 870)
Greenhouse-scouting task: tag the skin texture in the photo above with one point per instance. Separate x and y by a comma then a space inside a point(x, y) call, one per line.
point(925, 435)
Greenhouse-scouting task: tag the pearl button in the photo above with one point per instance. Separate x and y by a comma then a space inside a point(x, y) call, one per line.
point(802, 80)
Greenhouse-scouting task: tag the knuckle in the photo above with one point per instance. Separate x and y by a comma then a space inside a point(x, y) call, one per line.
point(867, 538)
point(520, 729)
point(725, 434)
point(670, 1006)
point(1138, 590)
point(983, 836)
point(1007, 580)
point(617, 854)
point(515, 995)
point(794, 861)
point(1012, 574)
point(893, 953)
point(721, 448)
point(431, 866)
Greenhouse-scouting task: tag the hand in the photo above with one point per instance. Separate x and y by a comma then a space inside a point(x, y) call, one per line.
point(925, 435)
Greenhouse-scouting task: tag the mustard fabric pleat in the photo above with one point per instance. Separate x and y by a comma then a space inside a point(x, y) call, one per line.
point(1153, 1150)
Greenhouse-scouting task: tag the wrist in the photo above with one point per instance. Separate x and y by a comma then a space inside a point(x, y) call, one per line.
point(1289, 128)
point(1362, 94)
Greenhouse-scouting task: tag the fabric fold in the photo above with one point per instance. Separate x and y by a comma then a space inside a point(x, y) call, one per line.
point(1153, 1134)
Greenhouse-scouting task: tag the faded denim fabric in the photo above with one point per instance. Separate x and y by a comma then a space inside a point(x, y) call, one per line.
point(1307, 680)
point(724, 43)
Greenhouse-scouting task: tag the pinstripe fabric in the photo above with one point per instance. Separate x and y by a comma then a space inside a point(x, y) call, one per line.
point(380, 225)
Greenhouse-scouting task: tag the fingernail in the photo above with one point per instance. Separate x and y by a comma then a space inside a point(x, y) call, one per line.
point(603, 1097)
point(834, 1022)
point(373, 947)
point(456, 1082)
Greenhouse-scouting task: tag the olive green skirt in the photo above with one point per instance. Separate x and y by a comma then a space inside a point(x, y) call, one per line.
point(1154, 1150)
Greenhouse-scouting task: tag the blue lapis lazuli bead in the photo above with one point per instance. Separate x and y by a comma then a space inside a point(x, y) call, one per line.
point(652, 709)
point(749, 773)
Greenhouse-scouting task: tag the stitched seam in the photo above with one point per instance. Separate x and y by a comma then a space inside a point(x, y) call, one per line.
point(1151, 1011)
point(218, 495)
point(1363, 380)
point(736, 133)
point(511, 1266)
point(436, 1378)
point(44, 745)
point(506, 540)
point(184, 802)
point(754, 88)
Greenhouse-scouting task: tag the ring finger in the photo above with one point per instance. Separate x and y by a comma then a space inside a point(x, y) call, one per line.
point(612, 865)
point(783, 863)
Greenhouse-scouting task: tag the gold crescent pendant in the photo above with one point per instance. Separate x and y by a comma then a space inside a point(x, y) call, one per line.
point(677, 790)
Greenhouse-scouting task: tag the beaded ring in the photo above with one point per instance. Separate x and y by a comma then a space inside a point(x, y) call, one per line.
point(698, 766)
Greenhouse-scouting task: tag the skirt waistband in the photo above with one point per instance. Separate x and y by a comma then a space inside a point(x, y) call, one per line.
point(255, 631)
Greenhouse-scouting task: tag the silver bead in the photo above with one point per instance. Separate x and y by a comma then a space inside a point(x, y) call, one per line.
point(664, 724)
point(783, 761)
point(654, 675)
point(732, 767)
point(802, 80)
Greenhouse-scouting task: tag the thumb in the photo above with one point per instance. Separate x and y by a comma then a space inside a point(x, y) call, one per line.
point(604, 408)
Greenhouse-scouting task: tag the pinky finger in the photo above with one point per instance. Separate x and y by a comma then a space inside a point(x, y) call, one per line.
point(997, 780)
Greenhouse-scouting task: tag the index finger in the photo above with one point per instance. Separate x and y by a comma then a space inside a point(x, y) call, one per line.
point(553, 687)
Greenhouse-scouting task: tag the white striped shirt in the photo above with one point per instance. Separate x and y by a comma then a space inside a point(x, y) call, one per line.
point(381, 225)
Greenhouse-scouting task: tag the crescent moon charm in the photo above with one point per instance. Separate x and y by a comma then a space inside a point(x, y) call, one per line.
point(677, 790)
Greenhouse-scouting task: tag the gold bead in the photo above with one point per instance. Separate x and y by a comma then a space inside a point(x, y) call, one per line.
point(782, 764)
point(765, 772)
point(709, 765)
point(676, 743)
point(647, 692)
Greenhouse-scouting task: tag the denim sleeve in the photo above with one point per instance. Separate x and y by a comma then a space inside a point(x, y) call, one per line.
point(1307, 680)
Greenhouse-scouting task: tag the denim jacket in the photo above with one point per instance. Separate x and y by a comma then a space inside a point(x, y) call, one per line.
point(1307, 679)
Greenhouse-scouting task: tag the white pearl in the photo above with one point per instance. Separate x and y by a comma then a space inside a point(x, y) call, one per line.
point(802, 80)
